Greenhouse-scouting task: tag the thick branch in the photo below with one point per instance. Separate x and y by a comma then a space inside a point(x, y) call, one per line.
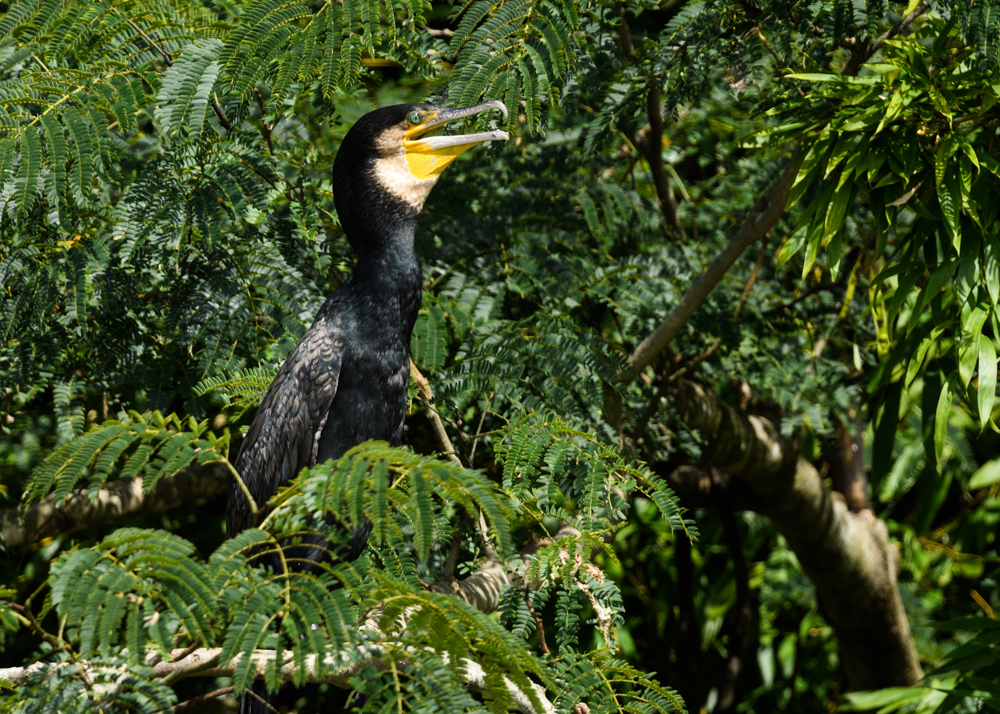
point(203, 663)
point(847, 555)
point(117, 501)
point(761, 219)
point(482, 588)
point(848, 474)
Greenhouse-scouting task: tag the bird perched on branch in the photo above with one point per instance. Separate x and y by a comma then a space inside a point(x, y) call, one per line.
point(346, 381)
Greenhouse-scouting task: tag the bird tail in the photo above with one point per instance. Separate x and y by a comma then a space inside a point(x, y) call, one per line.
point(257, 700)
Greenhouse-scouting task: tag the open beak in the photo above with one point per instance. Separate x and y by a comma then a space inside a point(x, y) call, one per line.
point(428, 156)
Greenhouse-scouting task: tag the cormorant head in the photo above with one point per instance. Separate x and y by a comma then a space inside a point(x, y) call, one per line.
point(387, 165)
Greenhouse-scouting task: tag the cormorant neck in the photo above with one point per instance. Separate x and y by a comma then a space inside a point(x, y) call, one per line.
point(388, 262)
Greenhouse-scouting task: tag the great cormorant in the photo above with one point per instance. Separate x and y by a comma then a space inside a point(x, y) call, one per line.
point(346, 381)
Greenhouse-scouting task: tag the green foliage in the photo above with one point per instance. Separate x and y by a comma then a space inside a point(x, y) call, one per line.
point(399, 490)
point(922, 182)
point(167, 234)
point(133, 589)
point(149, 445)
point(969, 675)
point(109, 683)
point(141, 591)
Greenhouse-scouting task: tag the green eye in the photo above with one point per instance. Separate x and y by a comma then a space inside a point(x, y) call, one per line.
point(414, 118)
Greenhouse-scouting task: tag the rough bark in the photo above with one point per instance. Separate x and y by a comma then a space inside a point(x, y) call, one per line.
point(482, 588)
point(117, 501)
point(847, 555)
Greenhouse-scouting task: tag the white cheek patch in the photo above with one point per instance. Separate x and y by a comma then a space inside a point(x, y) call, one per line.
point(393, 172)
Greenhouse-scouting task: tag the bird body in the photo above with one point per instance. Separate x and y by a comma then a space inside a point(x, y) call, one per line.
point(346, 381)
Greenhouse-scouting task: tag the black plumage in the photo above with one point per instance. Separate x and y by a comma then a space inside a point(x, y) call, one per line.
point(346, 381)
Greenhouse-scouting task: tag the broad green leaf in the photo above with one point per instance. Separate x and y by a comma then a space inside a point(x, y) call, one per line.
point(992, 165)
point(835, 78)
point(939, 103)
point(837, 211)
point(967, 277)
point(969, 151)
point(946, 149)
point(991, 267)
point(812, 248)
point(986, 392)
point(939, 279)
point(840, 150)
point(792, 246)
point(950, 198)
point(897, 102)
point(891, 699)
point(885, 433)
point(941, 415)
point(986, 475)
point(971, 328)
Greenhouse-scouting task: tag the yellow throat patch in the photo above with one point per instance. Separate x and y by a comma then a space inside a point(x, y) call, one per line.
point(427, 163)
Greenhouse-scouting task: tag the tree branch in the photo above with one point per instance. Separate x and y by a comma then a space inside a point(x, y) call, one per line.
point(203, 662)
point(861, 52)
point(117, 501)
point(847, 555)
point(761, 219)
point(447, 448)
point(848, 474)
point(653, 149)
point(892, 32)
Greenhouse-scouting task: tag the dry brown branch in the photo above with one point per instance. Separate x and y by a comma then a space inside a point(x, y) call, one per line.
point(753, 276)
point(447, 448)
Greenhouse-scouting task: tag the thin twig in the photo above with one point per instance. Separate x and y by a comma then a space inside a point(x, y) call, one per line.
point(479, 429)
point(217, 108)
point(448, 449)
point(30, 617)
point(264, 125)
point(167, 57)
point(753, 275)
point(759, 221)
point(200, 698)
point(767, 46)
point(243, 487)
point(539, 626)
point(893, 31)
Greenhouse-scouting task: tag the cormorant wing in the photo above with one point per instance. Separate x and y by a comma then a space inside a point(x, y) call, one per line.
point(283, 436)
